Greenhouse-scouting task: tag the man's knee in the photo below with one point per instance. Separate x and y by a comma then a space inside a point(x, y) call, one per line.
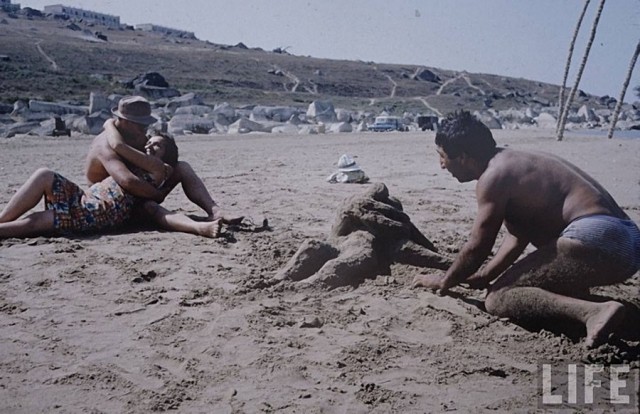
point(183, 168)
point(494, 301)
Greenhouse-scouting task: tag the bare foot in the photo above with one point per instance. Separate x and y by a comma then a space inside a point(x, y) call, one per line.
point(211, 229)
point(226, 219)
point(601, 324)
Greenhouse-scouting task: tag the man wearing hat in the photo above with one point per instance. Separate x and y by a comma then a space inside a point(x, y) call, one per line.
point(133, 117)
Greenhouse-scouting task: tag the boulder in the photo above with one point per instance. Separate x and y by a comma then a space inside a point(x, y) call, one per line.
point(340, 127)
point(149, 79)
point(198, 110)
point(489, 120)
point(8, 131)
point(155, 92)
point(56, 108)
point(99, 102)
point(322, 111)
point(226, 110)
point(92, 124)
point(587, 114)
point(546, 121)
point(5, 108)
point(427, 76)
point(343, 115)
point(244, 126)
point(285, 129)
point(191, 123)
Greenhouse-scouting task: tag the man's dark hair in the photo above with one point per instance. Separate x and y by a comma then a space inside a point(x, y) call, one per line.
point(170, 149)
point(460, 132)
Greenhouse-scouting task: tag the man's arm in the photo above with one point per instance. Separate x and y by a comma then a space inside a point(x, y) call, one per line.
point(131, 183)
point(478, 247)
point(152, 164)
point(492, 196)
point(510, 249)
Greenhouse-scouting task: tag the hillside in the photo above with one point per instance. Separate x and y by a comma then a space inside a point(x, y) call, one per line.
point(56, 60)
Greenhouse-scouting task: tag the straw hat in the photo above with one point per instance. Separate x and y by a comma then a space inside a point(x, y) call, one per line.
point(346, 163)
point(135, 109)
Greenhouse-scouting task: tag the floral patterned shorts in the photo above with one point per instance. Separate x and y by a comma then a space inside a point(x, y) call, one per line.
point(104, 205)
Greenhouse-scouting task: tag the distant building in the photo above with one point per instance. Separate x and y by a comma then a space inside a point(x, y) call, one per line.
point(149, 27)
point(6, 6)
point(86, 15)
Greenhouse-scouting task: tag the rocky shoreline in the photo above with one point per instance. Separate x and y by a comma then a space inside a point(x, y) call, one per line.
point(185, 114)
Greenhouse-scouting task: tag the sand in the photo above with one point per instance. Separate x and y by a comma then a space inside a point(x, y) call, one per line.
point(139, 321)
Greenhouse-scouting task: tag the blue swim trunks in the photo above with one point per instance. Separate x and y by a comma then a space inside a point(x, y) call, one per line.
point(617, 238)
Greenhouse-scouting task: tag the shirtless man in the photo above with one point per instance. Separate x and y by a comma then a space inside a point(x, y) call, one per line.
point(583, 238)
point(133, 118)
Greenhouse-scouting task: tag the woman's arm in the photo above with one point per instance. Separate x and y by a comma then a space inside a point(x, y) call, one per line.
point(153, 165)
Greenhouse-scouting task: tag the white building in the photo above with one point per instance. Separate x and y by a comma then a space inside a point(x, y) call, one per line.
point(85, 15)
point(5, 5)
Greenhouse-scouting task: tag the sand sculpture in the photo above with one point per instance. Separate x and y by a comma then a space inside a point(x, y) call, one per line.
point(370, 233)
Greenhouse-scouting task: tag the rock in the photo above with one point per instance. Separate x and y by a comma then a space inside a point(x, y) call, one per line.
point(340, 127)
point(244, 126)
point(56, 108)
point(5, 108)
point(586, 114)
point(191, 123)
point(226, 110)
point(546, 121)
point(198, 110)
point(8, 131)
point(148, 79)
point(362, 127)
point(343, 115)
point(92, 124)
point(489, 120)
point(188, 99)
point(426, 75)
point(154, 92)
point(321, 111)
point(99, 102)
point(285, 129)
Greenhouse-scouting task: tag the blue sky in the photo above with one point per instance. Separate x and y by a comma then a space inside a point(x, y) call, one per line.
point(520, 38)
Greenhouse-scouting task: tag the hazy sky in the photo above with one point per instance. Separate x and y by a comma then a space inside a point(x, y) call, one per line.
point(519, 38)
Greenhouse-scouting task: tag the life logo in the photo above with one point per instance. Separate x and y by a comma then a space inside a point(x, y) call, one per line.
point(588, 386)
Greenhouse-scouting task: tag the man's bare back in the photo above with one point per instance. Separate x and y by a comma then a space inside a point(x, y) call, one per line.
point(545, 194)
point(583, 238)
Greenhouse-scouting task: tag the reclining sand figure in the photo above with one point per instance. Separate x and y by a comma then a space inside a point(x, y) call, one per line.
point(371, 232)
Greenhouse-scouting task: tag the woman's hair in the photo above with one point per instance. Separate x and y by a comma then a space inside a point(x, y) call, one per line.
point(460, 132)
point(170, 149)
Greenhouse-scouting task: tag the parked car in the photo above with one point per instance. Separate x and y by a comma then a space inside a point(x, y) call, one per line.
point(388, 123)
point(427, 122)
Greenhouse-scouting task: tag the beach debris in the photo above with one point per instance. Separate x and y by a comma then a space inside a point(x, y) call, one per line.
point(370, 233)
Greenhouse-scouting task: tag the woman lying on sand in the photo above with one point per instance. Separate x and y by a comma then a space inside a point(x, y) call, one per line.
point(104, 206)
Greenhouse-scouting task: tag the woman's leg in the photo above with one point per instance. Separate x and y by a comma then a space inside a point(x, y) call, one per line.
point(172, 221)
point(29, 195)
point(35, 224)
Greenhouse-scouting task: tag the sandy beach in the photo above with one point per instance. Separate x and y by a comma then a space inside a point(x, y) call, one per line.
point(141, 321)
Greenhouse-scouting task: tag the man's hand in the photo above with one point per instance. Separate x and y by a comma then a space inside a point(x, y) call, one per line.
point(430, 281)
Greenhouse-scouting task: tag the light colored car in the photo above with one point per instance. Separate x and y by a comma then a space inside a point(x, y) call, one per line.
point(388, 123)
